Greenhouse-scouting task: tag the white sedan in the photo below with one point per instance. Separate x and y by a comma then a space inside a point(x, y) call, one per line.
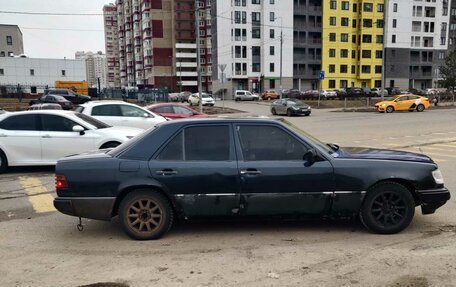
point(119, 113)
point(207, 100)
point(41, 137)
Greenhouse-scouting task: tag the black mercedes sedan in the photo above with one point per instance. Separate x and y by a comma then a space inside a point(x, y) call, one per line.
point(244, 167)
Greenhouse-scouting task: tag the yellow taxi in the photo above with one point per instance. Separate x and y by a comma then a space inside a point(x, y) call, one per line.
point(404, 103)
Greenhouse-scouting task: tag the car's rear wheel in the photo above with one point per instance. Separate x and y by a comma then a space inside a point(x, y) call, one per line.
point(3, 162)
point(389, 109)
point(289, 113)
point(273, 111)
point(110, 145)
point(420, 108)
point(388, 208)
point(145, 215)
point(237, 99)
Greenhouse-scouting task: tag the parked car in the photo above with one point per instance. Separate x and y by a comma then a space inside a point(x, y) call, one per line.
point(293, 93)
point(354, 92)
point(53, 99)
point(290, 107)
point(270, 95)
point(310, 95)
point(392, 91)
point(175, 111)
point(404, 103)
point(119, 113)
point(45, 107)
point(367, 92)
point(417, 92)
point(184, 96)
point(341, 94)
point(76, 99)
point(33, 138)
point(244, 167)
point(174, 97)
point(328, 94)
point(206, 99)
point(241, 95)
point(377, 92)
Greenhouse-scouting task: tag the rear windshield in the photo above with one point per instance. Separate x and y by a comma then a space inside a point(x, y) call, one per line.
point(94, 122)
point(79, 109)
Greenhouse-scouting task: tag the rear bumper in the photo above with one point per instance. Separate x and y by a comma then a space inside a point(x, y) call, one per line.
point(432, 199)
point(88, 207)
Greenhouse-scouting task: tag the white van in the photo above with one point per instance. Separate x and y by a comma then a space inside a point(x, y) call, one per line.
point(242, 95)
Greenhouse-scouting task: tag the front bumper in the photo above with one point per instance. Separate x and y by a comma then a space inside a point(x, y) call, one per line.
point(380, 108)
point(88, 207)
point(432, 199)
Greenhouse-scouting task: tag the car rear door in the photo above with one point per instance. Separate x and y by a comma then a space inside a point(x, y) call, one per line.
point(20, 139)
point(274, 177)
point(198, 167)
point(59, 140)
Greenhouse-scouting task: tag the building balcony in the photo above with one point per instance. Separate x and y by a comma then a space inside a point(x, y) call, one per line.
point(189, 83)
point(186, 55)
point(185, 46)
point(187, 74)
point(186, 64)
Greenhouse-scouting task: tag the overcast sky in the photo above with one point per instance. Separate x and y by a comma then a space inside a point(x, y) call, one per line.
point(43, 41)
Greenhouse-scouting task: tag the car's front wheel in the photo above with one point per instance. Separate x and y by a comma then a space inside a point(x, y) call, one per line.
point(3, 162)
point(145, 215)
point(289, 113)
point(388, 208)
point(273, 111)
point(389, 109)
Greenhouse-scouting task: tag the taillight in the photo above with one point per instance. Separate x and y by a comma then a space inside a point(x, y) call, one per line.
point(60, 181)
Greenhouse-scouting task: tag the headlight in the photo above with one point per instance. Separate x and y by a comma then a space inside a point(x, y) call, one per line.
point(130, 137)
point(438, 178)
point(384, 105)
point(309, 108)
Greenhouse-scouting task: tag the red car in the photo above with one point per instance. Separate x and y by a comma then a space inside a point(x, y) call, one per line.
point(175, 111)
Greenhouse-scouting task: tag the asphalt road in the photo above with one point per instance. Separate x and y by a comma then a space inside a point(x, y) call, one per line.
point(41, 247)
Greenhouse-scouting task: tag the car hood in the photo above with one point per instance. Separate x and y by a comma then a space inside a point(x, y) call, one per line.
point(120, 132)
point(382, 154)
point(384, 103)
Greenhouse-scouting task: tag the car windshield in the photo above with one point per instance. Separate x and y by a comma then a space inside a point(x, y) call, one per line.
point(92, 121)
point(296, 102)
point(206, 96)
point(328, 149)
point(59, 98)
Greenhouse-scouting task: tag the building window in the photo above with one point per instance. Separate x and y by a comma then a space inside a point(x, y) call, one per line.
point(345, 5)
point(256, 67)
point(333, 5)
point(367, 38)
point(379, 39)
point(272, 84)
point(344, 69)
point(344, 53)
point(367, 23)
point(378, 54)
point(395, 7)
point(353, 69)
point(353, 54)
point(344, 21)
point(394, 23)
point(271, 67)
point(380, 7)
point(378, 69)
point(272, 33)
point(272, 50)
point(367, 7)
point(271, 16)
point(256, 2)
point(393, 39)
point(63, 73)
point(332, 21)
point(32, 72)
point(2, 54)
point(366, 54)
point(344, 37)
point(332, 68)
point(380, 23)
point(9, 40)
point(332, 84)
point(332, 37)
point(332, 53)
point(365, 69)
point(2, 72)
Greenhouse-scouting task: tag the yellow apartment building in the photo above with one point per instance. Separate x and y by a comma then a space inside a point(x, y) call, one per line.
point(352, 43)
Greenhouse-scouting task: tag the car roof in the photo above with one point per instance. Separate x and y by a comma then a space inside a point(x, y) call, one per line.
point(107, 102)
point(44, 112)
point(166, 104)
point(227, 120)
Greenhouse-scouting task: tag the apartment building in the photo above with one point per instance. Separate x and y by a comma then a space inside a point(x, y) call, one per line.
point(157, 43)
point(96, 67)
point(307, 36)
point(11, 42)
point(417, 42)
point(352, 45)
point(452, 28)
point(246, 36)
point(111, 45)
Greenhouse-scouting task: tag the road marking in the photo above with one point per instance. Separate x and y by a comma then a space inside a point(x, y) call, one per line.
point(441, 155)
point(435, 148)
point(446, 145)
point(37, 196)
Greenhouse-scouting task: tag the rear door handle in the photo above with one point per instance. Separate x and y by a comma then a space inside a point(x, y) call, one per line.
point(3, 136)
point(46, 137)
point(250, 172)
point(166, 172)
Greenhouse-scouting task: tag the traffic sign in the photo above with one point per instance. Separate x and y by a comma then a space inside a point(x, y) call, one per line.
point(321, 75)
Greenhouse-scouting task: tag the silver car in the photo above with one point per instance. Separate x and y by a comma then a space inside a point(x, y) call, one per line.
point(242, 95)
point(290, 107)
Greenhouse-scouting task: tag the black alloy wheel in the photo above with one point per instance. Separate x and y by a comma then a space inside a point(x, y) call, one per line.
point(273, 111)
point(420, 108)
point(289, 113)
point(145, 215)
point(388, 208)
point(3, 162)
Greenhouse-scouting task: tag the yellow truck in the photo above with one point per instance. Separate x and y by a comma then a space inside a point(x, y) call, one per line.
point(79, 87)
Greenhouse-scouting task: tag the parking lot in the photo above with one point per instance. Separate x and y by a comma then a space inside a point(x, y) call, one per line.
point(41, 247)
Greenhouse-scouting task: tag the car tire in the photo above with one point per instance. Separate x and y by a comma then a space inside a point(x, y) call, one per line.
point(110, 145)
point(420, 108)
point(3, 162)
point(289, 113)
point(389, 109)
point(237, 99)
point(388, 208)
point(145, 215)
point(273, 111)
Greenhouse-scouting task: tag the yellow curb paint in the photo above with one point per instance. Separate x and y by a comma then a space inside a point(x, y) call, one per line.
point(36, 191)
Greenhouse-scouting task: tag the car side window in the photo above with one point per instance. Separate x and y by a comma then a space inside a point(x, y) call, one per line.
point(164, 110)
point(269, 143)
point(205, 143)
point(182, 110)
point(129, 111)
point(107, 111)
point(50, 99)
point(20, 123)
point(53, 123)
point(403, 99)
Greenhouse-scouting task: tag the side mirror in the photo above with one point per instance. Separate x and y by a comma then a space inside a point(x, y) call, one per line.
point(310, 157)
point(146, 115)
point(78, 129)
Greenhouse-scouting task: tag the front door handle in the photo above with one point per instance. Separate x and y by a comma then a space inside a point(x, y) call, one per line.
point(166, 172)
point(250, 172)
point(46, 137)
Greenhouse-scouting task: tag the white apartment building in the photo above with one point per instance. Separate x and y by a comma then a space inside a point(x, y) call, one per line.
point(96, 67)
point(33, 75)
point(246, 37)
point(416, 42)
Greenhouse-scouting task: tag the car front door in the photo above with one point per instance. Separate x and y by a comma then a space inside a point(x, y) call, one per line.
point(20, 139)
point(135, 117)
point(275, 180)
point(198, 167)
point(402, 103)
point(281, 107)
point(59, 140)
